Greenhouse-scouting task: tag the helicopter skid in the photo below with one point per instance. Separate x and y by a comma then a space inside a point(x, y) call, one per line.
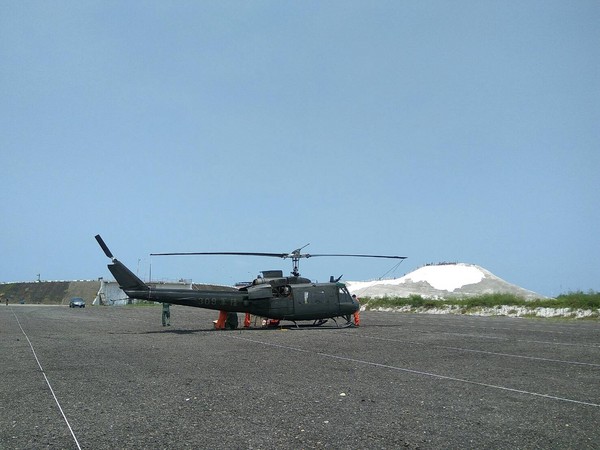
point(319, 324)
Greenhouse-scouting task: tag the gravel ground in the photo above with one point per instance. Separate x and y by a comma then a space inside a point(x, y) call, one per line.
point(103, 377)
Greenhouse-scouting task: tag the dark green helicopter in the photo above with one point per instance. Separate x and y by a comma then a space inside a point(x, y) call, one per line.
point(272, 295)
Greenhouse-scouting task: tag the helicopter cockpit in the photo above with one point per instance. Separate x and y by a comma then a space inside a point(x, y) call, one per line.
point(344, 294)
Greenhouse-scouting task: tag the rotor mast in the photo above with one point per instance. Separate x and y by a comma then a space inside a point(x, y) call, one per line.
point(296, 255)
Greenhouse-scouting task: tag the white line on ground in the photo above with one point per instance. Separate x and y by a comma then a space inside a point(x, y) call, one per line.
point(499, 338)
point(47, 382)
point(510, 355)
point(417, 372)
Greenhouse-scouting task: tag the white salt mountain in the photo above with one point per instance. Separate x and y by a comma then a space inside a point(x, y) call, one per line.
point(440, 281)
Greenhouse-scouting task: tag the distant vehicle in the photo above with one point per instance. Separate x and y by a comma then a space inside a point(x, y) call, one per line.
point(77, 302)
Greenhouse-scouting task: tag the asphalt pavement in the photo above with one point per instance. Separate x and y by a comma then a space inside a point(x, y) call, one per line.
point(113, 377)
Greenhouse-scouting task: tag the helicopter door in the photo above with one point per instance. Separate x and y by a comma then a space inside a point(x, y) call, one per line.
point(282, 303)
point(314, 302)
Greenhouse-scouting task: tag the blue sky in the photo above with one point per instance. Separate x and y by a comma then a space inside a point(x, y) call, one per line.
point(442, 131)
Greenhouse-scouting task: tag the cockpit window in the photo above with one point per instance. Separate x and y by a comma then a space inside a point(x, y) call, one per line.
point(345, 296)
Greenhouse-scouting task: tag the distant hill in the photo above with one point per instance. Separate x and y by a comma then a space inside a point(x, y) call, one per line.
point(437, 281)
point(49, 292)
point(441, 281)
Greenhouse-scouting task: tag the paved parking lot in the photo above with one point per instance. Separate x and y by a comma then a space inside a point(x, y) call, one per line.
point(109, 377)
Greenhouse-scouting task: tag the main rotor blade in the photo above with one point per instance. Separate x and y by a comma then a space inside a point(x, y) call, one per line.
point(358, 256)
point(274, 255)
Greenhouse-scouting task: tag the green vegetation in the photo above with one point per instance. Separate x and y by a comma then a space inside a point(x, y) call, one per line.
point(578, 299)
point(573, 300)
point(141, 304)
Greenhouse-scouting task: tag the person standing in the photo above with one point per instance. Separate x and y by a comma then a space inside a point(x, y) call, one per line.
point(166, 314)
point(357, 313)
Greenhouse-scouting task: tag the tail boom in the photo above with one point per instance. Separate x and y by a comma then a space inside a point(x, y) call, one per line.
point(230, 301)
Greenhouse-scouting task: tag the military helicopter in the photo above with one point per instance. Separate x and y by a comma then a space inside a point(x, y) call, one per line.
point(271, 295)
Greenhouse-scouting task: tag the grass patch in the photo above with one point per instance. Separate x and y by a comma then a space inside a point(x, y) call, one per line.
point(574, 300)
point(141, 304)
point(579, 299)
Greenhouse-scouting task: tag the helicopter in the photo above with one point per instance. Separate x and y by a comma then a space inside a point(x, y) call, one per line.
point(271, 295)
